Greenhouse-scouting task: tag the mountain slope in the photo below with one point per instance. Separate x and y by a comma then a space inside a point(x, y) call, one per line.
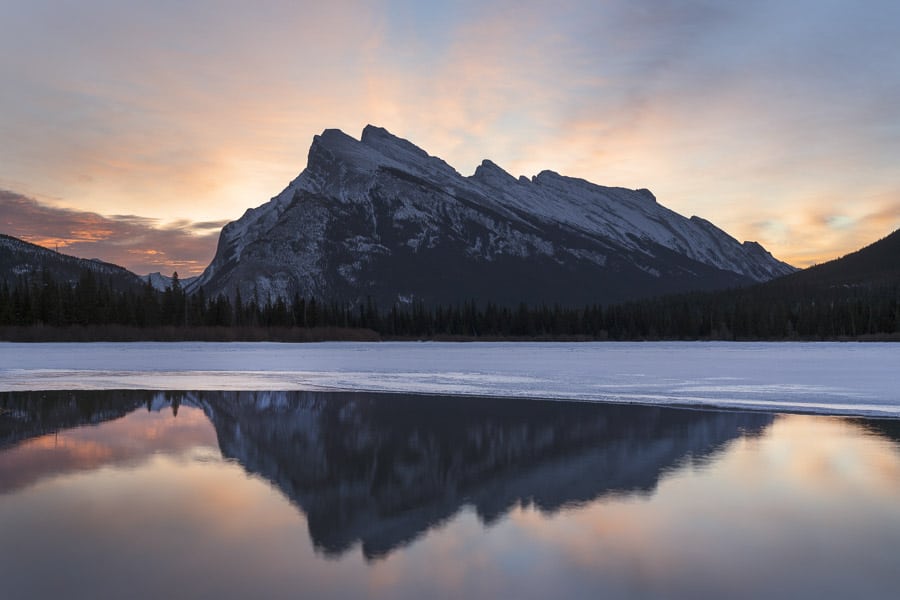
point(379, 217)
point(856, 296)
point(876, 264)
point(23, 259)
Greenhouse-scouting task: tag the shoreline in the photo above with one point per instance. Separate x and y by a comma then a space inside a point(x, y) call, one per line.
point(299, 335)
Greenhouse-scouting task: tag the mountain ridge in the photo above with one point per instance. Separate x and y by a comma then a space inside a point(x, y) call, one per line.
point(873, 264)
point(21, 258)
point(379, 217)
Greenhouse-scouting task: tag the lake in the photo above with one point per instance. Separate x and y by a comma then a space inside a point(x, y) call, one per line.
point(111, 492)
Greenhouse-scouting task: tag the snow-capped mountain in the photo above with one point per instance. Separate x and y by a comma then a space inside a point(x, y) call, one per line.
point(162, 282)
point(379, 217)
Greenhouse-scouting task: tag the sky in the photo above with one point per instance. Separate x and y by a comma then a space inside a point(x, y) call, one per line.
point(132, 130)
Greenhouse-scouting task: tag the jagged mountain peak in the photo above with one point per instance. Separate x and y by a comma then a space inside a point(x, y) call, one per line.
point(488, 171)
point(332, 141)
point(335, 145)
point(380, 217)
point(646, 194)
point(335, 151)
point(383, 140)
point(334, 133)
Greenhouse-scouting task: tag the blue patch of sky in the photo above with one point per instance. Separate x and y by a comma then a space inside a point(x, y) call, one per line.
point(420, 33)
point(840, 222)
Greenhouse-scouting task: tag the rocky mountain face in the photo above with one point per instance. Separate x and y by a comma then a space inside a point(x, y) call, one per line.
point(22, 259)
point(378, 217)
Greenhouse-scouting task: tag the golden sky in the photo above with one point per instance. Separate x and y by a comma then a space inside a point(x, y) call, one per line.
point(132, 130)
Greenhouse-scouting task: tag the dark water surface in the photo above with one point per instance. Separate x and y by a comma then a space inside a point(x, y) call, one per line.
point(306, 494)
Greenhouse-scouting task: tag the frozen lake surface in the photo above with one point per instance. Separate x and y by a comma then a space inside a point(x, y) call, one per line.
point(831, 378)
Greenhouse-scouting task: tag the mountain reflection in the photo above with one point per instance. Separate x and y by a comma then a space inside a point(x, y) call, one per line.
point(25, 415)
point(882, 428)
point(380, 470)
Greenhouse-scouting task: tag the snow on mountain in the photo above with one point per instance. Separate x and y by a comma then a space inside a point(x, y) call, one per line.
point(162, 282)
point(379, 217)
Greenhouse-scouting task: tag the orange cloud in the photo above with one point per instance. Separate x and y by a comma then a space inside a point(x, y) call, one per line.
point(140, 244)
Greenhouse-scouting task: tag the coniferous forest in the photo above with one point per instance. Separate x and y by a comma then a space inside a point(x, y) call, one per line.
point(40, 308)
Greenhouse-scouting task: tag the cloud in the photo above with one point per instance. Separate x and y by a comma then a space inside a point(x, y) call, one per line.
point(820, 228)
point(137, 243)
point(737, 112)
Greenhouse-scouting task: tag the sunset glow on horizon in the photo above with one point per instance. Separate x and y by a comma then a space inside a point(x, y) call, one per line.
point(134, 131)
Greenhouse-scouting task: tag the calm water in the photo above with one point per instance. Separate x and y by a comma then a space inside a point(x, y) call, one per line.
point(269, 495)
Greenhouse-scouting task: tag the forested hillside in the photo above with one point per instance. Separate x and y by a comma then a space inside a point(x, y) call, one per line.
point(854, 297)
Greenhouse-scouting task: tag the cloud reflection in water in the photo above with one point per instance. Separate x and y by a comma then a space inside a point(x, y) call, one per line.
point(456, 496)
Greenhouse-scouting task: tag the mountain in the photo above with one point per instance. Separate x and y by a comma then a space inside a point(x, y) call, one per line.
point(853, 297)
point(877, 264)
point(19, 258)
point(162, 282)
point(378, 217)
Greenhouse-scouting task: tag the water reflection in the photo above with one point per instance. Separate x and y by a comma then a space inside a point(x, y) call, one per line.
point(50, 434)
point(886, 428)
point(221, 494)
point(381, 470)
point(26, 415)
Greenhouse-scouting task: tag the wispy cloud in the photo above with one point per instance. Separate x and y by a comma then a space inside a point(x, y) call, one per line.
point(140, 244)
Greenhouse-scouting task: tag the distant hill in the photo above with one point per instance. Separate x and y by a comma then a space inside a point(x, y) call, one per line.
point(855, 296)
point(19, 258)
point(876, 264)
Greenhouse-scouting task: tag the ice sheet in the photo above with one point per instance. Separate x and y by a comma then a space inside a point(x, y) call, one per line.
point(833, 378)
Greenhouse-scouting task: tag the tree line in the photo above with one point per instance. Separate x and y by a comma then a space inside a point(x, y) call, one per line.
point(774, 311)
